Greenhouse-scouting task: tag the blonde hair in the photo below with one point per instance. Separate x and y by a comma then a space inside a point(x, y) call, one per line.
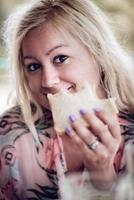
point(85, 22)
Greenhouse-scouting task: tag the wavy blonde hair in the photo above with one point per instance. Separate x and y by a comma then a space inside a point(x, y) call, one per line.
point(85, 22)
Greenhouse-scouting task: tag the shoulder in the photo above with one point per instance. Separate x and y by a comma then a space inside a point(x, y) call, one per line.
point(9, 118)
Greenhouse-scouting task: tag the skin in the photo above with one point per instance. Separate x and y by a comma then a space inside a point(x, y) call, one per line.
point(54, 60)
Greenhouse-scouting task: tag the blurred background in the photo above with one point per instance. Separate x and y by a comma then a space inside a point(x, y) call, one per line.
point(120, 13)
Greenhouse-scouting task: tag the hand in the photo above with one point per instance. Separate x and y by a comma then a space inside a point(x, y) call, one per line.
point(104, 127)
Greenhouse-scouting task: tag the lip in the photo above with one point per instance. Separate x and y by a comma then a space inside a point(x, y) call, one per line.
point(70, 89)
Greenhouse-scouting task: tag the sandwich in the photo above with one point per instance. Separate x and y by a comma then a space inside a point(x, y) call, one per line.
point(65, 103)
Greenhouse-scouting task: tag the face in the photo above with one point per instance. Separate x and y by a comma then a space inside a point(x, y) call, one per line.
point(54, 60)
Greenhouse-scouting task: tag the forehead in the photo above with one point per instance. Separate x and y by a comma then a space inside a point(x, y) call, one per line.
point(49, 36)
point(48, 30)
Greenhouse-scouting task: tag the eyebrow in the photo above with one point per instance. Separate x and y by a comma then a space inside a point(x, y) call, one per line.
point(48, 52)
point(56, 47)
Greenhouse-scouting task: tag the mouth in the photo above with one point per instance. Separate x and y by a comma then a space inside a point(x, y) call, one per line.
point(71, 89)
point(44, 101)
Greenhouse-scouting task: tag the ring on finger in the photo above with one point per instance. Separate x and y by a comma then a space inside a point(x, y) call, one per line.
point(93, 146)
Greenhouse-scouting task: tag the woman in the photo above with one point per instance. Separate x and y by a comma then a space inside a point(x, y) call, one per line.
point(55, 45)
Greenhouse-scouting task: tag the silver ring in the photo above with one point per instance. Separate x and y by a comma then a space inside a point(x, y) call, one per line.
point(94, 145)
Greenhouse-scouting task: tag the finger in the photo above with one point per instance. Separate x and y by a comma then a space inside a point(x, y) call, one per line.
point(111, 121)
point(100, 150)
point(84, 133)
point(87, 137)
point(97, 126)
point(93, 156)
point(78, 141)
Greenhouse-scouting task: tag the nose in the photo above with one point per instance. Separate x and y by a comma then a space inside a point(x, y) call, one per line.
point(50, 77)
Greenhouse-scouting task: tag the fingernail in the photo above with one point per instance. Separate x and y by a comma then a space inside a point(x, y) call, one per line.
point(72, 118)
point(68, 130)
point(83, 112)
point(97, 110)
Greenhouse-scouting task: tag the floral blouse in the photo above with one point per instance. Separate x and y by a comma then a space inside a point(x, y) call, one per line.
point(28, 172)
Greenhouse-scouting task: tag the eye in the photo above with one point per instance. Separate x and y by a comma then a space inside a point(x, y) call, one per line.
point(61, 59)
point(33, 67)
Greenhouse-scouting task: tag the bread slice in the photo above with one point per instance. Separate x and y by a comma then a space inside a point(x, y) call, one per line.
point(65, 103)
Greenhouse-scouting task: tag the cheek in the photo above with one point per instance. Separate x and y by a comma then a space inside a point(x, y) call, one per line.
point(88, 73)
point(92, 72)
point(33, 84)
point(94, 77)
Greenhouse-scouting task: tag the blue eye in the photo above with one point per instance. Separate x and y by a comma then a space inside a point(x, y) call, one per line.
point(60, 59)
point(33, 67)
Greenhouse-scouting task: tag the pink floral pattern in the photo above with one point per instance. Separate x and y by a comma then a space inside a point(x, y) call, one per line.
point(28, 172)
